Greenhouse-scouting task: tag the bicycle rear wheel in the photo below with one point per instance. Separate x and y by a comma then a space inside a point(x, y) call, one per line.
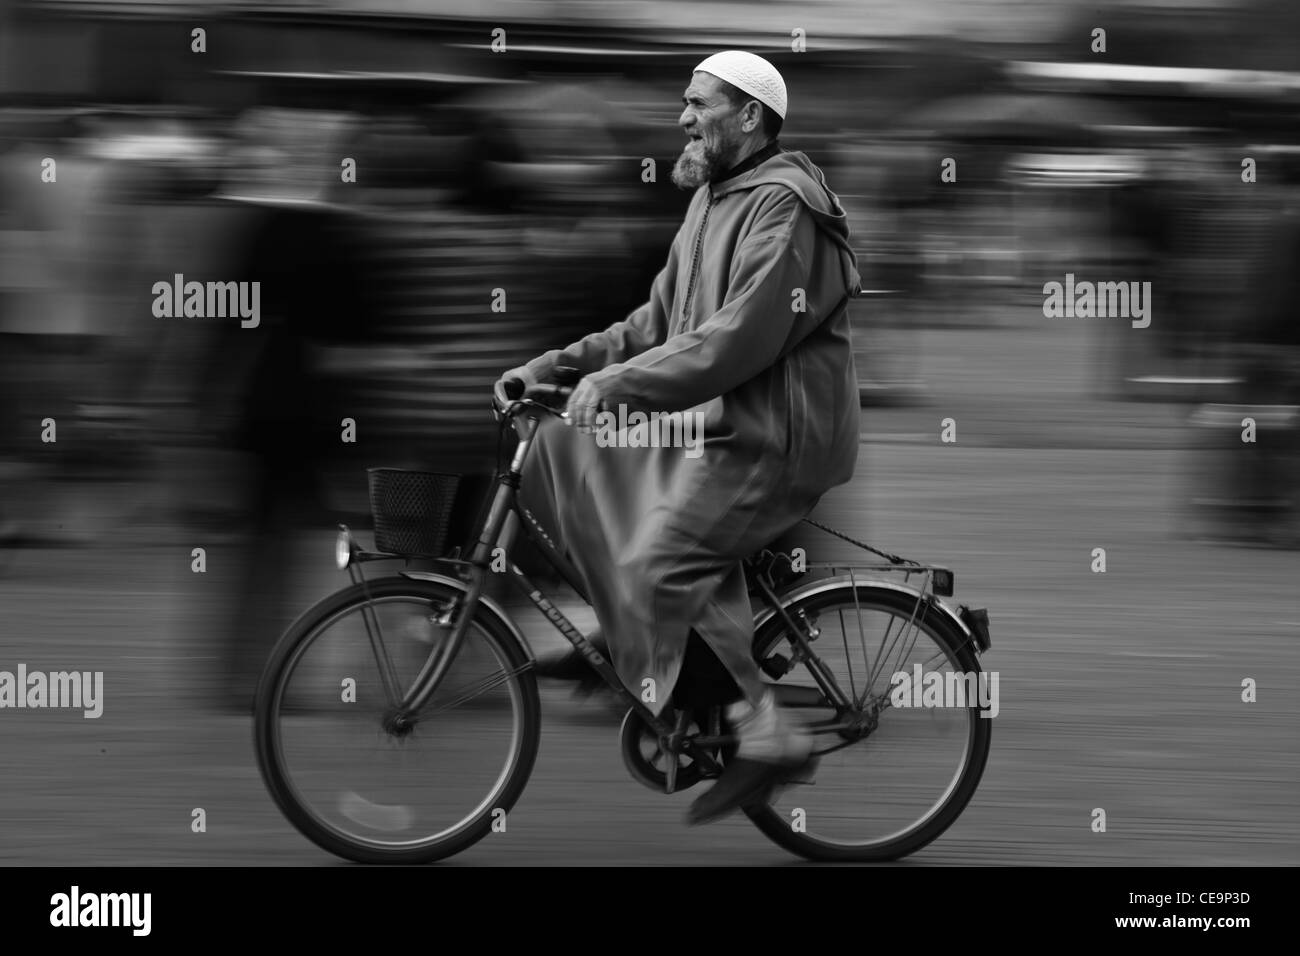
point(886, 793)
point(367, 790)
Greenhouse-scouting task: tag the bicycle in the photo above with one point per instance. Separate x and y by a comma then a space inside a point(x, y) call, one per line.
point(427, 658)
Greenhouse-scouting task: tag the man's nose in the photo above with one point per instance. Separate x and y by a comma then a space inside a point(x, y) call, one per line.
point(686, 120)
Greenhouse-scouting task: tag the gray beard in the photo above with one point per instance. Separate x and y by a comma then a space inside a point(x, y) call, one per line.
point(691, 172)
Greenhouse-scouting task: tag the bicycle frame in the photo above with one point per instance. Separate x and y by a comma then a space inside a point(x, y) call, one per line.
point(495, 532)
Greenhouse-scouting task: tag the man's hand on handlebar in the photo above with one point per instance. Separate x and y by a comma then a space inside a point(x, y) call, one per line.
point(519, 384)
point(583, 405)
point(511, 385)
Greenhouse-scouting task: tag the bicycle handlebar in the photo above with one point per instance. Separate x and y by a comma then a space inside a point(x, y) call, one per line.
point(556, 394)
point(548, 398)
point(509, 395)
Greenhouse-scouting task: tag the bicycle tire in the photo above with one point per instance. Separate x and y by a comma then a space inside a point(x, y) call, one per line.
point(271, 690)
point(940, 628)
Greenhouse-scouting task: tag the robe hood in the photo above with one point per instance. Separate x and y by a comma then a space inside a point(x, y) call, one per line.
point(794, 170)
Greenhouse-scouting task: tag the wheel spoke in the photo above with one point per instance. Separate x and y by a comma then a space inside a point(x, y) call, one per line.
point(844, 636)
point(476, 689)
point(384, 663)
point(905, 648)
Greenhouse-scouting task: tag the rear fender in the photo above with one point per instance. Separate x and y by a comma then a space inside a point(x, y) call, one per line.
point(976, 634)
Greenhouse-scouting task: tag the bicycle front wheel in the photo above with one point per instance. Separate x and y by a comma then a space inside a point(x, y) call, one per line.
point(889, 779)
point(373, 790)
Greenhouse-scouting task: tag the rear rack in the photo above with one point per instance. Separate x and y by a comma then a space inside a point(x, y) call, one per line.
point(780, 568)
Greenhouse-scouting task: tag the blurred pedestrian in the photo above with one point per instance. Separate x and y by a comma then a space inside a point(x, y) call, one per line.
point(262, 392)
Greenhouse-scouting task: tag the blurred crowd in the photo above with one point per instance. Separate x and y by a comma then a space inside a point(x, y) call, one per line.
point(484, 227)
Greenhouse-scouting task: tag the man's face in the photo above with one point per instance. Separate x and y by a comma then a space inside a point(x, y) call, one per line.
point(712, 126)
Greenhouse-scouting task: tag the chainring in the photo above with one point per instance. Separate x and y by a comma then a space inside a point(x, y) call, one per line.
point(646, 760)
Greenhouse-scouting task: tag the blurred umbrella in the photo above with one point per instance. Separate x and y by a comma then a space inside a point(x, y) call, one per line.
point(544, 143)
point(1023, 117)
point(892, 83)
point(564, 122)
point(365, 91)
point(1207, 34)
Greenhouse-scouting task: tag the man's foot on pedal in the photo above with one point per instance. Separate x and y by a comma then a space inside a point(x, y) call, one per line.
point(744, 783)
point(772, 753)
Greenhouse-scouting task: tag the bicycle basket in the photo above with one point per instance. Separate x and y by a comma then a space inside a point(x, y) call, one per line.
point(412, 510)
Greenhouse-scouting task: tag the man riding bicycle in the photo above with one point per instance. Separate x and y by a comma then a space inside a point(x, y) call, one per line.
point(746, 327)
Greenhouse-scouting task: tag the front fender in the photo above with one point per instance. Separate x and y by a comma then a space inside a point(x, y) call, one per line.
point(488, 604)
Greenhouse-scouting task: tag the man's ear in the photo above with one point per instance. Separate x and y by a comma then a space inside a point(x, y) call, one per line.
point(753, 116)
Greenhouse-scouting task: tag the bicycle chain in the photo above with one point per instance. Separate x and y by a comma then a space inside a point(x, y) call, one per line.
point(892, 558)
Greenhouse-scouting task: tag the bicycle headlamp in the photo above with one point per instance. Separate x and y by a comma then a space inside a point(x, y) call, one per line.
point(343, 548)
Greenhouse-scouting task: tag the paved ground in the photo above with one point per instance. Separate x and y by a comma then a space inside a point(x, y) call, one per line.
point(1119, 690)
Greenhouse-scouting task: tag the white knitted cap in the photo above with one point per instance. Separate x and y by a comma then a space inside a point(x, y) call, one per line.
point(750, 73)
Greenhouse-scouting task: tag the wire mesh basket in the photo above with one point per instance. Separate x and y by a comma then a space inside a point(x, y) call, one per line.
point(412, 510)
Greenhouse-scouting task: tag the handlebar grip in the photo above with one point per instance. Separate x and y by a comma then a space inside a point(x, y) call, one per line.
point(506, 390)
point(547, 392)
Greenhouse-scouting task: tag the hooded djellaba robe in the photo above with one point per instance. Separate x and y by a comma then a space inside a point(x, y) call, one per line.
point(747, 324)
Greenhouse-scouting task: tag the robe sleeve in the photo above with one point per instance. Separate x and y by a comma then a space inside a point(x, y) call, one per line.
point(744, 337)
point(645, 327)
